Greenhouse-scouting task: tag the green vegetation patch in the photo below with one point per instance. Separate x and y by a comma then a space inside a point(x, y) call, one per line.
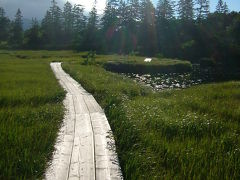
point(31, 111)
point(178, 134)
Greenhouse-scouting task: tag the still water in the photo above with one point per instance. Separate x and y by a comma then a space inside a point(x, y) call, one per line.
point(177, 80)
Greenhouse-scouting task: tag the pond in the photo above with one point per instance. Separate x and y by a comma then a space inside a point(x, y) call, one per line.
point(166, 81)
point(178, 80)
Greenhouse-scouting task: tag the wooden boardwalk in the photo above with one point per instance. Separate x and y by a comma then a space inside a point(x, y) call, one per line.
point(84, 148)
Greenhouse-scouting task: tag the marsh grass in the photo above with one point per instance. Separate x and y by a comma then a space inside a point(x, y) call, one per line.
point(30, 114)
point(178, 134)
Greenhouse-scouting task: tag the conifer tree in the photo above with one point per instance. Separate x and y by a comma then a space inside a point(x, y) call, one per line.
point(134, 19)
point(123, 32)
point(52, 27)
point(220, 6)
point(16, 37)
point(110, 16)
point(134, 11)
point(47, 28)
point(225, 8)
point(91, 36)
point(165, 9)
point(181, 9)
point(79, 19)
point(164, 21)
point(4, 25)
point(110, 23)
point(202, 9)
point(68, 19)
point(79, 25)
point(93, 18)
point(185, 9)
point(32, 36)
point(148, 37)
point(56, 20)
point(123, 16)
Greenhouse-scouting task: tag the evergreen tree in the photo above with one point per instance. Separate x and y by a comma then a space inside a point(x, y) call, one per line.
point(148, 37)
point(110, 23)
point(110, 18)
point(202, 9)
point(47, 29)
point(68, 22)
point(32, 36)
point(123, 16)
point(225, 8)
point(165, 30)
point(181, 9)
point(220, 6)
point(16, 37)
point(134, 12)
point(79, 25)
point(185, 9)
point(133, 23)
point(123, 32)
point(56, 26)
point(93, 18)
point(165, 9)
point(52, 28)
point(189, 9)
point(79, 19)
point(4, 25)
point(91, 35)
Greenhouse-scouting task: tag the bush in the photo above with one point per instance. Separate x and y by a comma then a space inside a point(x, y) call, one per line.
point(91, 58)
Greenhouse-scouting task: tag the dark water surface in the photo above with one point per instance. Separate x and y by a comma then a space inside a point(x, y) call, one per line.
point(180, 80)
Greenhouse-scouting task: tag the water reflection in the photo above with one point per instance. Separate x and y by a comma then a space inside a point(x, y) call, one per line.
point(166, 81)
point(177, 80)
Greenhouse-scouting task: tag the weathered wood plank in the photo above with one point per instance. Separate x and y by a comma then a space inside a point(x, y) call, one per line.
point(82, 148)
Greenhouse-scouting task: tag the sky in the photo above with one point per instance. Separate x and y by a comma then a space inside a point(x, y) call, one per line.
point(37, 8)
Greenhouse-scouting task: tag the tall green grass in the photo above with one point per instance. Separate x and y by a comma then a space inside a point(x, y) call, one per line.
point(178, 134)
point(31, 111)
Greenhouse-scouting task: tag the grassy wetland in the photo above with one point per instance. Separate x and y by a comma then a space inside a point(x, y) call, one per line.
point(173, 134)
point(175, 117)
point(31, 111)
point(191, 133)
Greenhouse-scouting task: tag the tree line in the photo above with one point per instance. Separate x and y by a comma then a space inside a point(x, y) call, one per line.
point(185, 30)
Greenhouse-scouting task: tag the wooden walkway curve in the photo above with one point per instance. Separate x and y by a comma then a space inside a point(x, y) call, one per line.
point(84, 149)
